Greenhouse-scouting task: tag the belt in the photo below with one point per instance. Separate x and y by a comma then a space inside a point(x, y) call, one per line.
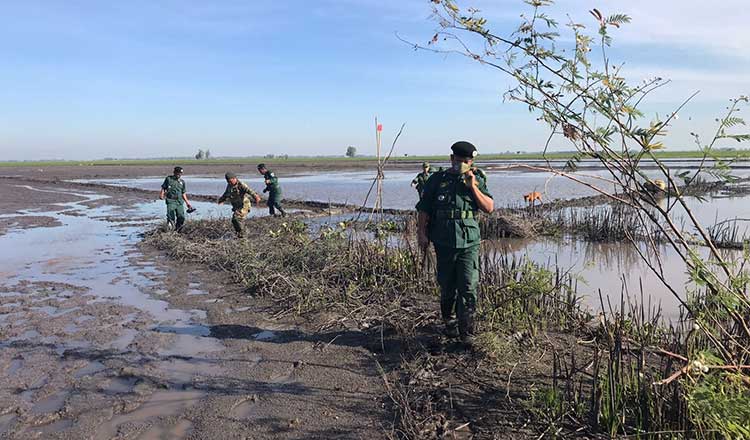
point(455, 214)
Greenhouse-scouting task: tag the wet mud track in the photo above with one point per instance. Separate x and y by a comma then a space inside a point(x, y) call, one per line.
point(100, 339)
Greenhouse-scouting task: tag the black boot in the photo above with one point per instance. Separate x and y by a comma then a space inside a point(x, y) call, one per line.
point(466, 326)
point(451, 328)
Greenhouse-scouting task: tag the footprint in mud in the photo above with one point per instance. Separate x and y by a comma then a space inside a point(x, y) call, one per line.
point(14, 367)
point(245, 408)
point(42, 431)
point(160, 404)
point(120, 385)
point(90, 369)
point(6, 422)
point(50, 404)
point(168, 432)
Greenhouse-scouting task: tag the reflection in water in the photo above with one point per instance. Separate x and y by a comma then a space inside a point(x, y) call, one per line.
point(606, 267)
point(506, 185)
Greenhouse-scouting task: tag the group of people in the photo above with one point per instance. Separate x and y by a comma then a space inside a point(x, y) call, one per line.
point(450, 202)
point(238, 193)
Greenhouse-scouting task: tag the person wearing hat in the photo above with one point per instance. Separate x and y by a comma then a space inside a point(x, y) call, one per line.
point(419, 181)
point(273, 189)
point(448, 217)
point(238, 194)
point(174, 191)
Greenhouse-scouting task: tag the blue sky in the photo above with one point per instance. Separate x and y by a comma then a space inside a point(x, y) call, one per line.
point(92, 79)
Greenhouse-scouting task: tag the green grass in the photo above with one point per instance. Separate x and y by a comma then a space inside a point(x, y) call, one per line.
point(727, 154)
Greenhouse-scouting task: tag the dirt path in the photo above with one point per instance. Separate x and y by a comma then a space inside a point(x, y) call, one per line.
point(103, 340)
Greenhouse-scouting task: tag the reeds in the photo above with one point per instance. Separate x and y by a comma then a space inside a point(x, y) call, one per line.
point(609, 384)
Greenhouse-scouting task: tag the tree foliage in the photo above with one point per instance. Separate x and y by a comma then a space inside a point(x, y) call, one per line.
point(564, 76)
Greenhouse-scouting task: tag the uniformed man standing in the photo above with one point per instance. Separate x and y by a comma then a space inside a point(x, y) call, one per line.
point(421, 179)
point(273, 189)
point(238, 194)
point(174, 191)
point(447, 217)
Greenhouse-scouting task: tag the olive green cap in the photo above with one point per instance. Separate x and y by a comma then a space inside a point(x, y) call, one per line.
point(425, 165)
point(229, 175)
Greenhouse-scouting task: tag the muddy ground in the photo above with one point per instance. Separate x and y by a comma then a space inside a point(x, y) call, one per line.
point(102, 339)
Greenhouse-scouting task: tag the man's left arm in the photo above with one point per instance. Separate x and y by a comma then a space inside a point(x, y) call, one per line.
point(480, 194)
point(251, 193)
point(184, 196)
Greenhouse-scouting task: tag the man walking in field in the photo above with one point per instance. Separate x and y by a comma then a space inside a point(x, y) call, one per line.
point(174, 191)
point(448, 217)
point(273, 189)
point(419, 182)
point(238, 194)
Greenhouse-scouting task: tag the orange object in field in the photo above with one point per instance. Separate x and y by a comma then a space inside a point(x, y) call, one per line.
point(533, 196)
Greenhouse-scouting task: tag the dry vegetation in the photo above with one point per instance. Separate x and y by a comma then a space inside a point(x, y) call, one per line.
point(542, 366)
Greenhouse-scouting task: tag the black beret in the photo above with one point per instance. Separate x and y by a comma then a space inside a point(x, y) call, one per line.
point(177, 170)
point(261, 166)
point(464, 149)
point(229, 175)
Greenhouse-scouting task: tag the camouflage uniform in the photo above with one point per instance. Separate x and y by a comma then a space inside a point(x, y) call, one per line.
point(274, 192)
point(239, 196)
point(420, 181)
point(174, 188)
point(454, 231)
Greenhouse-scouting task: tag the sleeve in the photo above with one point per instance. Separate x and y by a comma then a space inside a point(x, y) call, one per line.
point(482, 184)
point(428, 194)
point(184, 187)
point(414, 181)
point(165, 184)
point(225, 195)
point(248, 190)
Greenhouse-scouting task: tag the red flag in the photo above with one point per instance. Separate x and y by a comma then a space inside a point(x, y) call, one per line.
point(380, 127)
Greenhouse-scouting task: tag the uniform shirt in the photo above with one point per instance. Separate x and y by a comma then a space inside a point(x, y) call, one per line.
point(237, 194)
point(174, 188)
point(421, 180)
point(272, 182)
point(453, 211)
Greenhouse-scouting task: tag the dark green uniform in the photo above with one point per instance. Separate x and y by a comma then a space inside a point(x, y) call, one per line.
point(274, 193)
point(174, 188)
point(420, 181)
point(454, 231)
point(239, 196)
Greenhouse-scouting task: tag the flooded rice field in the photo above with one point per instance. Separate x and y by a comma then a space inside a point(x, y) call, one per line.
point(351, 187)
point(605, 267)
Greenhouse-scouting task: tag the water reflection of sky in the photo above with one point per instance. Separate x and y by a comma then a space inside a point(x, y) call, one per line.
point(507, 186)
point(606, 267)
